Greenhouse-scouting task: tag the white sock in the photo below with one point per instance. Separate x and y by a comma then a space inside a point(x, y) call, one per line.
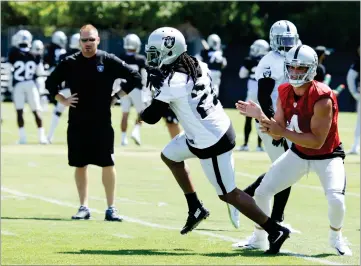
point(41, 132)
point(335, 234)
point(54, 124)
point(136, 129)
point(124, 135)
point(22, 132)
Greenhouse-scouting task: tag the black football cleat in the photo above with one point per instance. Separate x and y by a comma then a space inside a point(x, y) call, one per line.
point(194, 218)
point(276, 240)
point(111, 214)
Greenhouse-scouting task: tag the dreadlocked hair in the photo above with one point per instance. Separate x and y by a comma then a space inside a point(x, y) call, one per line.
point(190, 65)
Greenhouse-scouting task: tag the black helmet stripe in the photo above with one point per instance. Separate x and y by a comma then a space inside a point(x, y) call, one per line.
point(297, 50)
point(288, 27)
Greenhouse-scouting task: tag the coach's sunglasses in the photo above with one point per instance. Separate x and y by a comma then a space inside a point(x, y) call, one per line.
point(88, 39)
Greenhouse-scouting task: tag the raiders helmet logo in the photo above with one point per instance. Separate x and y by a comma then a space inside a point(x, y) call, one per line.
point(169, 41)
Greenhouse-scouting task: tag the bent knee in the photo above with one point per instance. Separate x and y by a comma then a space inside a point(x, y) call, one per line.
point(168, 161)
point(336, 199)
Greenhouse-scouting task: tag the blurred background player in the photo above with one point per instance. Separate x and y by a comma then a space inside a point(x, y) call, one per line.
point(37, 49)
point(322, 52)
point(212, 55)
point(353, 84)
point(257, 50)
point(270, 74)
point(132, 45)
point(24, 67)
point(56, 53)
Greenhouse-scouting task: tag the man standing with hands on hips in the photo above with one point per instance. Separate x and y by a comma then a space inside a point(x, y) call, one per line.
point(90, 74)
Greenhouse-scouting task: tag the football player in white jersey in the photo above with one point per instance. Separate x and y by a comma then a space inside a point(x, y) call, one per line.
point(258, 49)
point(183, 83)
point(25, 67)
point(353, 84)
point(270, 74)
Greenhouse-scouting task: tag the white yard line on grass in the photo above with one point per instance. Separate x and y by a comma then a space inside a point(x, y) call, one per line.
point(123, 236)
point(300, 185)
point(7, 233)
point(153, 225)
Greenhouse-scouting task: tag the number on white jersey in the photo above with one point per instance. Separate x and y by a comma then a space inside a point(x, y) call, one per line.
point(293, 125)
point(207, 101)
point(24, 71)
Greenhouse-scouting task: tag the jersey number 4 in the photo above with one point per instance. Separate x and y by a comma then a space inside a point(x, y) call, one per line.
point(207, 102)
point(24, 71)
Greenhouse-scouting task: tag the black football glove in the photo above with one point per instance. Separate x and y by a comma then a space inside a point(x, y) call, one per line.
point(279, 142)
point(155, 77)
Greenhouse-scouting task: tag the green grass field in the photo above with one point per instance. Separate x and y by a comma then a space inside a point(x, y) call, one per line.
point(38, 197)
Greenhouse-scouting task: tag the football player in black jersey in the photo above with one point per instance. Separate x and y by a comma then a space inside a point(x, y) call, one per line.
point(257, 50)
point(213, 56)
point(74, 47)
point(24, 67)
point(132, 45)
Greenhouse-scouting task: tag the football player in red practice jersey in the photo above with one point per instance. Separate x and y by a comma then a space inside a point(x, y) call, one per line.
point(306, 115)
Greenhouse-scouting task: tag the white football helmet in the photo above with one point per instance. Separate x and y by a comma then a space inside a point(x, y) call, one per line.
point(214, 42)
point(301, 57)
point(283, 36)
point(132, 42)
point(23, 39)
point(164, 46)
point(59, 38)
point(74, 41)
point(37, 48)
point(258, 48)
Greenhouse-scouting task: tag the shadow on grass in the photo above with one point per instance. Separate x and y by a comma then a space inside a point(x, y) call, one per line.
point(35, 218)
point(133, 252)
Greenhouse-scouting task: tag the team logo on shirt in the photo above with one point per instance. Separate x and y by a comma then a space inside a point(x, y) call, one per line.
point(100, 68)
point(169, 41)
point(267, 72)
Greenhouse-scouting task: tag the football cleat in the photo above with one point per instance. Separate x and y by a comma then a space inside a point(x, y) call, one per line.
point(111, 214)
point(276, 240)
point(258, 240)
point(233, 215)
point(243, 148)
point(194, 219)
point(82, 214)
point(340, 244)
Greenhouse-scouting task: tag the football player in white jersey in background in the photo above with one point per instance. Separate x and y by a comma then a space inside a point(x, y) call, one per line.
point(353, 84)
point(258, 49)
point(132, 45)
point(183, 83)
point(37, 49)
point(24, 67)
point(213, 57)
point(270, 74)
point(74, 47)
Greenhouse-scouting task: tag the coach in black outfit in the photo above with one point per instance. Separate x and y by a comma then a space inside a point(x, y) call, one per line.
point(90, 74)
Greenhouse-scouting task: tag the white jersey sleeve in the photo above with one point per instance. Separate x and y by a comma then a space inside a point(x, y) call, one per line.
point(176, 89)
point(271, 66)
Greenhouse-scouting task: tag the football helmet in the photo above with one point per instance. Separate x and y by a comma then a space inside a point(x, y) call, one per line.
point(258, 48)
point(23, 39)
point(59, 38)
point(283, 36)
point(214, 42)
point(74, 41)
point(300, 65)
point(132, 42)
point(164, 46)
point(37, 48)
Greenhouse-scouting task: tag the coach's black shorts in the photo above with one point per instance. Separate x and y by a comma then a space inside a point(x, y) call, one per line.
point(170, 117)
point(90, 145)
